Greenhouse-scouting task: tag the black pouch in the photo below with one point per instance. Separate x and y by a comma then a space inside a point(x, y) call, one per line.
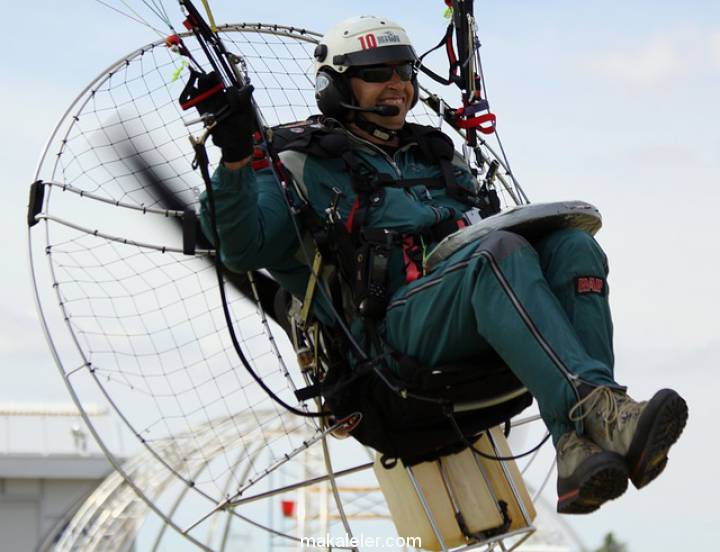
point(412, 429)
point(471, 380)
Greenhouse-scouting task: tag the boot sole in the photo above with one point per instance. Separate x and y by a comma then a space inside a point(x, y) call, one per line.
point(659, 427)
point(600, 478)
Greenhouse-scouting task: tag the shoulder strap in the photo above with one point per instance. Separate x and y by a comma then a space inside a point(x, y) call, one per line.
point(311, 137)
point(438, 148)
point(434, 143)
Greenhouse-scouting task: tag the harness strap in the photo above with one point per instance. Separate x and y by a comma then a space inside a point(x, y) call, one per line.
point(443, 229)
point(413, 246)
point(310, 290)
point(364, 253)
point(447, 41)
point(413, 265)
point(437, 147)
point(454, 190)
point(363, 183)
point(351, 217)
point(388, 182)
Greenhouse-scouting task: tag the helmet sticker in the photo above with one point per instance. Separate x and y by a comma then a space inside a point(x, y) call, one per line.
point(388, 37)
point(371, 40)
point(368, 41)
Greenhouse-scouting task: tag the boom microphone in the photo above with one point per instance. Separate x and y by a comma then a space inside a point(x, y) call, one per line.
point(382, 110)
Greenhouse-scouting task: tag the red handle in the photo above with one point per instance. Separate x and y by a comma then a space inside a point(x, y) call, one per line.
point(200, 97)
point(484, 123)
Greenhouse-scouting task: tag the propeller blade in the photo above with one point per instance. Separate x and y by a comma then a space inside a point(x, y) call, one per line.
point(266, 286)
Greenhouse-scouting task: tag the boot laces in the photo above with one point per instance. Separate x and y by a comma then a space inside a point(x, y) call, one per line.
point(604, 399)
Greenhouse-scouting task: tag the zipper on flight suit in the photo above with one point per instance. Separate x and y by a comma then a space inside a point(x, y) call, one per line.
point(393, 162)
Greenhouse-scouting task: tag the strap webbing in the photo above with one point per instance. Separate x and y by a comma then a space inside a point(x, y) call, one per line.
point(452, 59)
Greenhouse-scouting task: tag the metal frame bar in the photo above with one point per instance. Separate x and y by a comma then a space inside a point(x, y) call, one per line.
point(426, 507)
point(305, 483)
point(117, 239)
point(114, 202)
point(511, 481)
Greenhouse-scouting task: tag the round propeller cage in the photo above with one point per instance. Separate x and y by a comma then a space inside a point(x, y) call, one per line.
point(134, 322)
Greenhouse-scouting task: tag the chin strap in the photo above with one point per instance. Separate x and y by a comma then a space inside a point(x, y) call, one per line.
point(379, 132)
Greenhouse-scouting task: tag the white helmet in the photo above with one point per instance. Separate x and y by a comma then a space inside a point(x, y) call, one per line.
point(363, 40)
point(358, 41)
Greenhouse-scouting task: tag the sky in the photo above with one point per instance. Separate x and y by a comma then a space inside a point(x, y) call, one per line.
point(614, 103)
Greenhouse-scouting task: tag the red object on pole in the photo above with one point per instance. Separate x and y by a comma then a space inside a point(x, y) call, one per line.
point(484, 123)
point(288, 508)
point(219, 87)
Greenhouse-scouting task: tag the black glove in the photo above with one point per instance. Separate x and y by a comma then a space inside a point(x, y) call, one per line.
point(232, 110)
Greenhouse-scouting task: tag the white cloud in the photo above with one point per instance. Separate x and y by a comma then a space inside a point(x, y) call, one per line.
point(650, 64)
point(658, 60)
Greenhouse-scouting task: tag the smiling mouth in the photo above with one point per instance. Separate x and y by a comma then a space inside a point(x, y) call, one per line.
point(392, 101)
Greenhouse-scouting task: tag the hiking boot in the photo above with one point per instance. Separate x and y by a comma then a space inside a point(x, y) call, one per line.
point(642, 432)
point(587, 475)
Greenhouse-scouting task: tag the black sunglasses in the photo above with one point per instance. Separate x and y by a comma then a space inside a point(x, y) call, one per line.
point(383, 73)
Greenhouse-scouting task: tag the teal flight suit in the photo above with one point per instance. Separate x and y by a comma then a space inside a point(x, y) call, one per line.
point(530, 302)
